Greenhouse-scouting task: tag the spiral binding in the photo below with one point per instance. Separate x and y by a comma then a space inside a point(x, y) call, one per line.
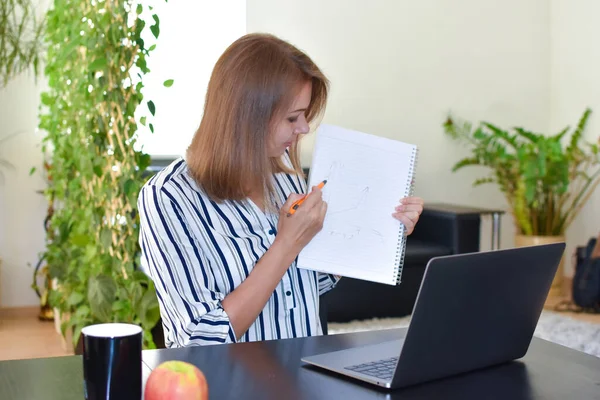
point(401, 249)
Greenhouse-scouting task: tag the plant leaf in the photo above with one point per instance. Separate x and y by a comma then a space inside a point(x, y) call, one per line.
point(128, 187)
point(139, 276)
point(80, 240)
point(144, 161)
point(482, 181)
point(120, 305)
point(83, 311)
point(75, 298)
point(169, 82)
point(465, 162)
point(151, 107)
point(76, 333)
point(101, 294)
point(155, 28)
point(148, 309)
point(98, 64)
point(106, 238)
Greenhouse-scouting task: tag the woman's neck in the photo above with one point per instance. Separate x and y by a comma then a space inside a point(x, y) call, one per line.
point(258, 198)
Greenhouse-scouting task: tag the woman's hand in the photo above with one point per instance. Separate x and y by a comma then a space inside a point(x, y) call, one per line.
point(298, 229)
point(408, 212)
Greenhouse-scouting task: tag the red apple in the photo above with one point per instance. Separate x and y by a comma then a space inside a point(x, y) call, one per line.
point(176, 380)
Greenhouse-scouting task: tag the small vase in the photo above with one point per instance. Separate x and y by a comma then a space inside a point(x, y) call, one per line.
point(556, 290)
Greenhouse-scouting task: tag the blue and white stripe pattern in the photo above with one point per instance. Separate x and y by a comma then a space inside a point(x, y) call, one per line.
point(198, 251)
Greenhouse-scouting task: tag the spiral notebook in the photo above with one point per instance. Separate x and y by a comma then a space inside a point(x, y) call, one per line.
point(366, 175)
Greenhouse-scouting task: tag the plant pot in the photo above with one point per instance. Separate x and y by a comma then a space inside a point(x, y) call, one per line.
point(556, 290)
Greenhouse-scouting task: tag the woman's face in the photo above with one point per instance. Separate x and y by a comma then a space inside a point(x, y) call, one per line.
point(292, 124)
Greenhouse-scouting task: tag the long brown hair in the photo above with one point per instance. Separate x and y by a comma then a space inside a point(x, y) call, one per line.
point(252, 84)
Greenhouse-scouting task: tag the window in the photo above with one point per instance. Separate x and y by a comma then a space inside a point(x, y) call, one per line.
point(193, 34)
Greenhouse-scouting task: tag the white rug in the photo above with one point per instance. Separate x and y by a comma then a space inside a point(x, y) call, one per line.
point(554, 327)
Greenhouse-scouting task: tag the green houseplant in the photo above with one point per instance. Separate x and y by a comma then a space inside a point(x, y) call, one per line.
point(95, 68)
point(546, 179)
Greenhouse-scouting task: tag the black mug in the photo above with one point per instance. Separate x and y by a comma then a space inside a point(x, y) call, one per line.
point(112, 361)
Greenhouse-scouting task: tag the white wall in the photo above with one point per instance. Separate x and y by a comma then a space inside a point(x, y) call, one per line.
point(22, 210)
point(575, 85)
point(397, 67)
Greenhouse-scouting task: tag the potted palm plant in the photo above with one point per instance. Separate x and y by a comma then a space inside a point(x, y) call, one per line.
point(546, 179)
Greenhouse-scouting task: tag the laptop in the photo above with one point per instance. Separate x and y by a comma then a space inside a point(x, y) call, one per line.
point(473, 311)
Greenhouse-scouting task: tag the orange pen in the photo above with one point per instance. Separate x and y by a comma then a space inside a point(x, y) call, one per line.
point(297, 203)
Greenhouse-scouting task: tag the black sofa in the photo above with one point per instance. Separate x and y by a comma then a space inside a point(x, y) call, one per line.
point(442, 230)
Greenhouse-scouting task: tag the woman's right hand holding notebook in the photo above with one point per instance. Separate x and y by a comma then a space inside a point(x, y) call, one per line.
point(408, 212)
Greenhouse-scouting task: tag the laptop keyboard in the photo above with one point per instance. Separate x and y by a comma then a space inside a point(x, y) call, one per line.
point(383, 369)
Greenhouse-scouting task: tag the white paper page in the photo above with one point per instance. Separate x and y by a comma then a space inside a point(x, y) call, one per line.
point(366, 177)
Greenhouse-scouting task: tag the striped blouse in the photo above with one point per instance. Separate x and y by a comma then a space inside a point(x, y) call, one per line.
point(198, 251)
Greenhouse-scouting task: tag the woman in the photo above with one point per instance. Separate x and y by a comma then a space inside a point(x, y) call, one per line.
point(215, 235)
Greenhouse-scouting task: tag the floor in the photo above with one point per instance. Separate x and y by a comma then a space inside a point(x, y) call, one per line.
point(23, 335)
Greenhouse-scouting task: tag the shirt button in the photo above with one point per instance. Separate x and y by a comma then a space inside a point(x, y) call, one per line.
point(271, 232)
point(288, 293)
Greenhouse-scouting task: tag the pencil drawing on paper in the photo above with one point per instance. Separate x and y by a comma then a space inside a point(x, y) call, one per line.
point(350, 203)
point(334, 168)
point(378, 234)
point(347, 194)
point(354, 231)
point(351, 233)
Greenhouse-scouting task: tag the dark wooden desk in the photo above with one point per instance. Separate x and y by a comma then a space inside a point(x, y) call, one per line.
point(273, 370)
